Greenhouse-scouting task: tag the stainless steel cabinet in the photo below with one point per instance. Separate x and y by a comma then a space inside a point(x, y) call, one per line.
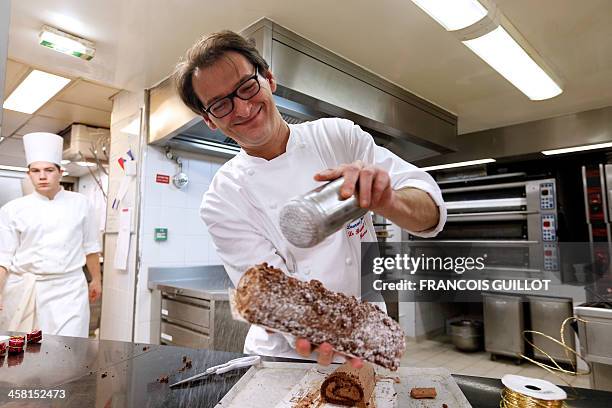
point(595, 333)
point(547, 315)
point(199, 322)
point(503, 324)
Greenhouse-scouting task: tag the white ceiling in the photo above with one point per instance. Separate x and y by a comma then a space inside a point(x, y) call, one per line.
point(139, 41)
point(81, 101)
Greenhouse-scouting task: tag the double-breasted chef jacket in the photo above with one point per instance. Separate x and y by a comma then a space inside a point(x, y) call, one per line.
point(241, 209)
point(43, 245)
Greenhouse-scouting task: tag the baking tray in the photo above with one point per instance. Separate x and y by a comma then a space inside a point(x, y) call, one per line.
point(272, 384)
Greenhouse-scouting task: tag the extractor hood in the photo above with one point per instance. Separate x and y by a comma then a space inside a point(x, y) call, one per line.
point(313, 83)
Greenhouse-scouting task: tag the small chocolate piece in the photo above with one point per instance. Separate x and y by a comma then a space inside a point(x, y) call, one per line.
point(444, 406)
point(145, 348)
point(349, 386)
point(163, 379)
point(104, 374)
point(420, 393)
point(268, 297)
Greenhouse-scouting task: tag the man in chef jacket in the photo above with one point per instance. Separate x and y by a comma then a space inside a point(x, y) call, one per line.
point(45, 239)
point(224, 79)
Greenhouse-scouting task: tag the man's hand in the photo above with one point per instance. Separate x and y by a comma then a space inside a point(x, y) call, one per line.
point(95, 290)
point(410, 208)
point(325, 351)
point(372, 184)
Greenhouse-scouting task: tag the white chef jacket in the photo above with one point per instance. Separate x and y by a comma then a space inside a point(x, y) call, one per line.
point(43, 245)
point(242, 205)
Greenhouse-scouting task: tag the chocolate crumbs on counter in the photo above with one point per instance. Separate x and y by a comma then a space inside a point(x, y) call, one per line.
point(163, 379)
point(104, 374)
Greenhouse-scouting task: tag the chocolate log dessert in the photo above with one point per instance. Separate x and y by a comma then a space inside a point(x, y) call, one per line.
point(267, 297)
point(348, 386)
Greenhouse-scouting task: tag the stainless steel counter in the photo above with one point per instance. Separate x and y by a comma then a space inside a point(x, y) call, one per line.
point(88, 373)
point(210, 281)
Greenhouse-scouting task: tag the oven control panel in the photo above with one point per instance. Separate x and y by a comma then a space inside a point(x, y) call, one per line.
point(550, 257)
point(547, 196)
point(549, 228)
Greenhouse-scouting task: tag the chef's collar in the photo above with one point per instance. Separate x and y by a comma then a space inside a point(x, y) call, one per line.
point(45, 198)
point(292, 142)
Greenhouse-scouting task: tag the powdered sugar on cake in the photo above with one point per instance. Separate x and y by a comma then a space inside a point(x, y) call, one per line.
point(267, 297)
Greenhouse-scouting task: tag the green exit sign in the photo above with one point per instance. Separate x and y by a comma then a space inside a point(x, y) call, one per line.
point(161, 234)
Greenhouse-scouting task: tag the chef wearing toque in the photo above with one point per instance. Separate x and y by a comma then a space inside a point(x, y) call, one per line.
point(45, 239)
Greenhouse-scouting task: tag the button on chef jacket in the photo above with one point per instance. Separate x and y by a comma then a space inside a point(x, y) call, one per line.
point(43, 245)
point(241, 209)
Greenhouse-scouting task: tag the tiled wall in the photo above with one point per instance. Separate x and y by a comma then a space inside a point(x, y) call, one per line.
point(165, 206)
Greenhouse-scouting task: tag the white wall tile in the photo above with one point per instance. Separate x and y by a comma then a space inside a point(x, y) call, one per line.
point(199, 171)
point(213, 257)
point(153, 193)
point(150, 218)
point(150, 251)
point(196, 192)
point(172, 250)
point(196, 249)
point(173, 197)
point(192, 222)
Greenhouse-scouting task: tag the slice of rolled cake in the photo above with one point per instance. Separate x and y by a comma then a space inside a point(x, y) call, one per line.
point(348, 386)
point(267, 297)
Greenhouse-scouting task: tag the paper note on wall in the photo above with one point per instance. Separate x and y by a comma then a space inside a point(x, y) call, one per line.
point(123, 239)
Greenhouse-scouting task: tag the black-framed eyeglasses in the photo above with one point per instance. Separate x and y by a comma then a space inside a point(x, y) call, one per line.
point(245, 91)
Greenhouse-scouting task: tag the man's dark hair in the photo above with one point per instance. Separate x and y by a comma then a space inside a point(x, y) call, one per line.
point(205, 53)
point(55, 164)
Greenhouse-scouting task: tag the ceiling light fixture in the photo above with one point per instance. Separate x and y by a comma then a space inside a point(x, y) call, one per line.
point(453, 14)
point(34, 91)
point(85, 164)
point(498, 49)
point(458, 164)
point(65, 43)
point(577, 148)
point(65, 161)
point(13, 168)
point(483, 28)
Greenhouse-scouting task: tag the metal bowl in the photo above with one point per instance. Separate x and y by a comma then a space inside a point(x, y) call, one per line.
point(467, 335)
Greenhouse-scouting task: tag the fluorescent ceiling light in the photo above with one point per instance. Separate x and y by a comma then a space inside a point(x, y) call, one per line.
point(577, 148)
point(453, 14)
point(498, 49)
point(13, 168)
point(85, 164)
point(458, 164)
point(34, 91)
point(66, 43)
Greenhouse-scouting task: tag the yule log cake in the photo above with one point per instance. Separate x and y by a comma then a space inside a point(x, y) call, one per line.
point(267, 297)
point(349, 386)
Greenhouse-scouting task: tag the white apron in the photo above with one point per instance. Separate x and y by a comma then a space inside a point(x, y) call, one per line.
point(55, 303)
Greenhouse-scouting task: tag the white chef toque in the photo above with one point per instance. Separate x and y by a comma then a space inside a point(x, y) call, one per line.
point(44, 147)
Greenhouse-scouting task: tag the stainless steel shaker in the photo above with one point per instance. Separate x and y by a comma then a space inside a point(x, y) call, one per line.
point(308, 219)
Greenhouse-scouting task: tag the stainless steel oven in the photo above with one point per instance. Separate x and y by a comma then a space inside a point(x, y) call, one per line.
point(516, 218)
